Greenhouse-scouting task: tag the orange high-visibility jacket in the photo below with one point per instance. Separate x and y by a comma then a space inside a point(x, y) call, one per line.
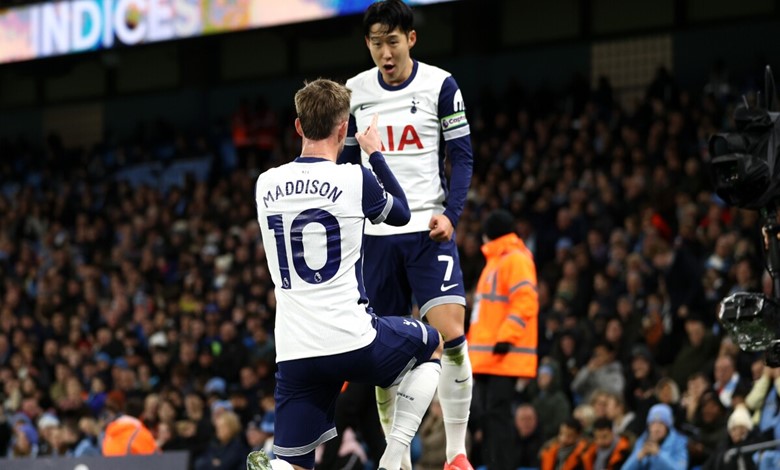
point(128, 436)
point(617, 458)
point(548, 456)
point(506, 309)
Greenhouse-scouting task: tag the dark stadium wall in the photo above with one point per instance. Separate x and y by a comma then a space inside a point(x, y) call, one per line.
point(193, 82)
point(746, 47)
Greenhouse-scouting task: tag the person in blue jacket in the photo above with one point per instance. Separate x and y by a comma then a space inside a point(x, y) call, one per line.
point(660, 447)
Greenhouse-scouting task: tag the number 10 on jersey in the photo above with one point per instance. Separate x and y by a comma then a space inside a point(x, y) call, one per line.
point(299, 223)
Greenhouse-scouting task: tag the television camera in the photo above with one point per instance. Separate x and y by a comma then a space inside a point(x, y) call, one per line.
point(746, 174)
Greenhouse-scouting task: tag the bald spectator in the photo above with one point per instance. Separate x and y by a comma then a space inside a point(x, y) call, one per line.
point(528, 437)
point(727, 379)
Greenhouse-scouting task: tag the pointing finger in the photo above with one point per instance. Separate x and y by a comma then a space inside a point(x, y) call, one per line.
point(374, 120)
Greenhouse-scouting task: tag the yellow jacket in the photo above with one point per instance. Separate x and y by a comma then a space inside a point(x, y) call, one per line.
point(506, 309)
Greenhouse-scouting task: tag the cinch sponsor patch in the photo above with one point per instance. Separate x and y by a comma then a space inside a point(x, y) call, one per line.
point(454, 120)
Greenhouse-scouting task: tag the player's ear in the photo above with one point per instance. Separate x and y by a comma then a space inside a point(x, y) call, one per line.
point(342, 132)
point(412, 36)
point(298, 127)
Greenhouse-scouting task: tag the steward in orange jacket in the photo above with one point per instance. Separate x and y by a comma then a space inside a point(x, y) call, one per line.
point(502, 337)
point(128, 436)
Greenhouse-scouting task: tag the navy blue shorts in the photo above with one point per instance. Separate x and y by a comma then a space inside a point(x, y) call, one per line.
point(397, 267)
point(307, 389)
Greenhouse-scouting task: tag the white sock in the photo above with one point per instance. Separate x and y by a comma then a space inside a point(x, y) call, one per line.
point(279, 464)
point(385, 404)
point(455, 396)
point(413, 398)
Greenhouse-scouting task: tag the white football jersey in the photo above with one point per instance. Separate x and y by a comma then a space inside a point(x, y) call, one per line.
point(412, 121)
point(311, 216)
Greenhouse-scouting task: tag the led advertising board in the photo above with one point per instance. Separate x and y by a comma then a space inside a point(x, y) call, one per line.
point(71, 26)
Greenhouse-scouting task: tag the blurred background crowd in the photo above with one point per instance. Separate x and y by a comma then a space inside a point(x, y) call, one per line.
point(134, 278)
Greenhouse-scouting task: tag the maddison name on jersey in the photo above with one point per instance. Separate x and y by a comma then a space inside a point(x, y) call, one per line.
point(316, 187)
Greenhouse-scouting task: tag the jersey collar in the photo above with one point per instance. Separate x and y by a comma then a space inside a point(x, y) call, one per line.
point(310, 160)
point(403, 85)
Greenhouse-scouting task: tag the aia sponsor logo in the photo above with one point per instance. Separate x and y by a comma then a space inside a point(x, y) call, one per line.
point(398, 142)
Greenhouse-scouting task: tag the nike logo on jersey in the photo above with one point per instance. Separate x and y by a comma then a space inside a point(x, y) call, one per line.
point(461, 381)
point(365, 106)
point(446, 288)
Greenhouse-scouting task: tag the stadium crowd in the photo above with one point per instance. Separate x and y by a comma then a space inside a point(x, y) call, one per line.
point(124, 296)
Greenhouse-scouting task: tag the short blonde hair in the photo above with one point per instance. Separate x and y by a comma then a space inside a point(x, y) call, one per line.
point(666, 381)
point(321, 105)
point(232, 422)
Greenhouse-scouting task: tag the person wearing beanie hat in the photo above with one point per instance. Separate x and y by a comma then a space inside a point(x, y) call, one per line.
point(740, 417)
point(661, 447)
point(740, 427)
point(661, 413)
point(502, 338)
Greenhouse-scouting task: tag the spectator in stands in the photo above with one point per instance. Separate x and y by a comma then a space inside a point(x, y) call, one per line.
point(586, 415)
point(709, 427)
point(624, 421)
point(24, 440)
point(168, 438)
point(609, 450)
point(567, 450)
point(78, 443)
point(528, 437)
point(641, 381)
point(740, 433)
point(549, 401)
point(602, 372)
point(727, 379)
point(667, 392)
point(227, 451)
point(661, 447)
point(698, 384)
point(698, 352)
point(764, 398)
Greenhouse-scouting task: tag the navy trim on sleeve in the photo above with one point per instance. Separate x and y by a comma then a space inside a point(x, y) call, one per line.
point(374, 197)
point(459, 151)
point(399, 213)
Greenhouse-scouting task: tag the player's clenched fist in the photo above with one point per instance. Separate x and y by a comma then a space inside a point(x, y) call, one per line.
point(369, 139)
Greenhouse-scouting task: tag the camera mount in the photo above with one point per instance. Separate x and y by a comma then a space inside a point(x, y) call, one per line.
point(744, 175)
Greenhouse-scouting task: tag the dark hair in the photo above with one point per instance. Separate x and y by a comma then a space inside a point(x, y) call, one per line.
point(499, 223)
point(604, 344)
point(602, 423)
point(573, 423)
point(390, 14)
